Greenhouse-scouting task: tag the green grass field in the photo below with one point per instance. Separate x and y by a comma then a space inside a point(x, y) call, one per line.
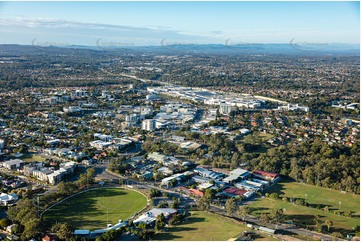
point(264, 136)
point(318, 195)
point(315, 196)
point(31, 157)
point(92, 209)
point(202, 226)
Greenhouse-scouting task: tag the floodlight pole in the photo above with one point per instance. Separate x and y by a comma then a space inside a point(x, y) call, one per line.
point(38, 205)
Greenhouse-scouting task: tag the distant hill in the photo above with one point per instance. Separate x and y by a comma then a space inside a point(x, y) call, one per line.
point(229, 49)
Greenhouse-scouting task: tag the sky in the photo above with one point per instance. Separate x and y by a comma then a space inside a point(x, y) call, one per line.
point(165, 23)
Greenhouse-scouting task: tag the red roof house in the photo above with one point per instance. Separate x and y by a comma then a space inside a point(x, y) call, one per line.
point(49, 237)
point(235, 191)
point(196, 192)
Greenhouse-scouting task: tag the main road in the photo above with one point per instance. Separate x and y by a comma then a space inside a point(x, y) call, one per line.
point(137, 78)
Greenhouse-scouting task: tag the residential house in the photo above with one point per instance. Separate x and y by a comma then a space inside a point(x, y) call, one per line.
point(269, 176)
point(49, 237)
point(165, 171)
point(234, 192)
point(196, 192)
point(156, 156)
point(177, 177)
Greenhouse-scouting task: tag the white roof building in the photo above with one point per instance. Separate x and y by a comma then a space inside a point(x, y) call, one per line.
point(151, 215)
point(5, 198)
point(12, 164)
point(237, 174)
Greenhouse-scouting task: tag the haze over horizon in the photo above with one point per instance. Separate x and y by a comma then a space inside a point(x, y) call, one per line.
point(179, 23)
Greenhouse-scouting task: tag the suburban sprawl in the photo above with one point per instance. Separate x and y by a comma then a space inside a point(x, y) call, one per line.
point(149, 144)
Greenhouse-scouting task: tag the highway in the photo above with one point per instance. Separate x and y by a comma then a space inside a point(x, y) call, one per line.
point(136, 78)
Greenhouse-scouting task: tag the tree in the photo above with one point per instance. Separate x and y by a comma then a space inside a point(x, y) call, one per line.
point(231, 206)
point(110, 235)
point(348, 213)
point(160, 222)
point(336, 235)
point(157, 176)
point(176, 203)
point(300, 201)
point(274, 196)
point(264, 218)
point(32, 229)
point(23, 212)
point(328, 223)
point(113, 166)
point(209, 194)
point(142, 230)
point(318, 223)
point(155, 193)
point(176, 219)
point(90, 175)
point(64, 231)
point(295, 170)
point(203, 204)
point(4, 222)
point(67, 188)
point(277, 215)
point(243, 211)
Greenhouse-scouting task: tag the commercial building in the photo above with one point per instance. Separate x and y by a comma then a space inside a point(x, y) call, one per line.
point(54, 177)
point(149, 124)
point(150, 216)
point(294, 107)
point(152, 97)
point(225, 108)
point(268, 176)
point(208, 174)
point(99, 144)
point(103, 137)
point(79, 93)
point(13, 164)
point(42, 174)
point(72, 109)
point(6, 199)
point(236, 175)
